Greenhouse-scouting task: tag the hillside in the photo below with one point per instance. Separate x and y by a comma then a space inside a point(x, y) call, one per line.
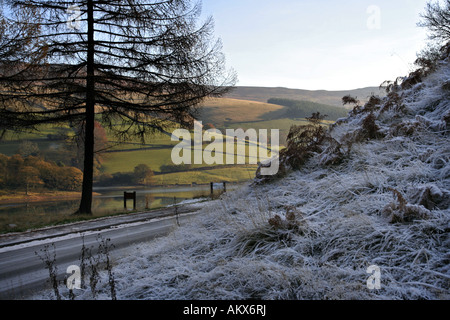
point(303, 109)
point(280, 114)
point(313, 234)
point(224, 110)
point(333, 98)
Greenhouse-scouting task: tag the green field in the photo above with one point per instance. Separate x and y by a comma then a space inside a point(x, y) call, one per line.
point(159, 155)
point(126, 161)
point(221, 112)
point(224, 113)
point(236, 175)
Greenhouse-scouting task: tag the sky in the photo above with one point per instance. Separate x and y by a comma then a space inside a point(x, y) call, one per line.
point(318, 44)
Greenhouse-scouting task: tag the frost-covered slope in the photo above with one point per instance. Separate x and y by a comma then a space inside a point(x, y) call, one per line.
point(314, 233)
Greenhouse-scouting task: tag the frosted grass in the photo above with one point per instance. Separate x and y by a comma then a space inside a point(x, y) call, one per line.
point(230, 251)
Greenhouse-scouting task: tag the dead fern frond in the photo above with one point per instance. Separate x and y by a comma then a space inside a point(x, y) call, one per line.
point(407, 128)
point(394, 102)
point(403, 212)
point(372, 104)
point(401, 200)
point(370, 129)
point(348, 99)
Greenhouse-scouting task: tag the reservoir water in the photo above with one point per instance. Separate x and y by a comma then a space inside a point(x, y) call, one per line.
point(110, 200)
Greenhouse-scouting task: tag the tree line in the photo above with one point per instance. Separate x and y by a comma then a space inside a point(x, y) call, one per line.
point(141, 175)
point(32, 172)
point(303, 109)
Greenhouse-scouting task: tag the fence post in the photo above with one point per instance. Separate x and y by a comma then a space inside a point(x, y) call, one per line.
point(224, 186)
point(212, 189)
point(176, 210)
point(129, 195)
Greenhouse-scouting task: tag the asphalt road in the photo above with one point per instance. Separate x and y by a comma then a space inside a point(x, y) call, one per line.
point(22, 271)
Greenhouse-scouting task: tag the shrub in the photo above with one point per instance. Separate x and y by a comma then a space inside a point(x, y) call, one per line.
point(348, 99)
point(69, 178)
point(372, 104)
point(370, 129)
point(303, 142)
point(393, 102)
point(142, 174)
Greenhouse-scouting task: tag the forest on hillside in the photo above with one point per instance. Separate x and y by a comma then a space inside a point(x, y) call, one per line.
point(303, 109)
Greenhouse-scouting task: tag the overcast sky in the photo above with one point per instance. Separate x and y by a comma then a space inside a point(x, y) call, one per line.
point(318, 44)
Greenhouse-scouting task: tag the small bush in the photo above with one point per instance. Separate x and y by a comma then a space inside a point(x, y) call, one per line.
point(348, 99)
point(372, 104)
point(394, 102)
point(303, 142)
point(414, 78)
point(370, 129)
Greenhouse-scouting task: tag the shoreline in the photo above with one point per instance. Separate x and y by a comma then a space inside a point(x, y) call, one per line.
point(18, 198)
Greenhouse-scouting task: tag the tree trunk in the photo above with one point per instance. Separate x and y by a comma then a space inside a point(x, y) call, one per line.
point(88, 170)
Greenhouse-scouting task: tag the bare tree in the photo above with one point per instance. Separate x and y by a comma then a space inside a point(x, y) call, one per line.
point(18, 44)
point(437, 19)
point(137, 66)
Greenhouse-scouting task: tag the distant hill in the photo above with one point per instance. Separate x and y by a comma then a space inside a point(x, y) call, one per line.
point(281, 114)
point(333, 98)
